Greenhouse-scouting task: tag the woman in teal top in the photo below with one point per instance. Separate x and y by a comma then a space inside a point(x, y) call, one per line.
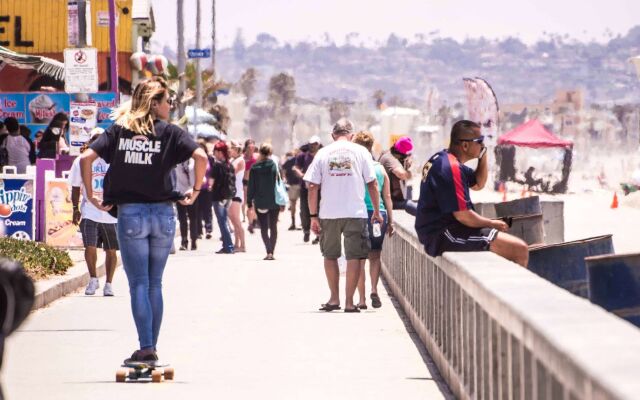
point(366, 139)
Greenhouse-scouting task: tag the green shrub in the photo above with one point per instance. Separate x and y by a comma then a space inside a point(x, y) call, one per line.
point(38, 259)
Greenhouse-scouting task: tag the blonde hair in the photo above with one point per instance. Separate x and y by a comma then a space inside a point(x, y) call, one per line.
point(236, 145)
point(364, 138)
point(135, 114)
point(266, 150)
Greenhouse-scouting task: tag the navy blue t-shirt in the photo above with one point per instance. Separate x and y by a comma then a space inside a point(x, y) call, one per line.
point(292, 178)
point(444, 190)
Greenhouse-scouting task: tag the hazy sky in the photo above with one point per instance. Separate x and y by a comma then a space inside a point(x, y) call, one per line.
point(296, 20)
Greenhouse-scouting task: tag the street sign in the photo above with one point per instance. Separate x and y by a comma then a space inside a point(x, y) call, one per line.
point(199, 53)
point(81, 70)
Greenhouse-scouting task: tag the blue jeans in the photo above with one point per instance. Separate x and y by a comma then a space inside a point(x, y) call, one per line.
point(221, 208)
point(145, 235)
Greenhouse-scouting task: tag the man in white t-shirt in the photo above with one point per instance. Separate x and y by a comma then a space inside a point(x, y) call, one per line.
point(98, 227)
point(339, 172)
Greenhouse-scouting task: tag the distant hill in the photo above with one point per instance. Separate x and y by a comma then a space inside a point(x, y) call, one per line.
point(517, 72)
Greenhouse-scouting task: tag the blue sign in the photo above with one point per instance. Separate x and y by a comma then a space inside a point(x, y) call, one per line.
point(12, 105)
point(16, 208)
point(41, 107)
point(106, 103)
point(199, 53)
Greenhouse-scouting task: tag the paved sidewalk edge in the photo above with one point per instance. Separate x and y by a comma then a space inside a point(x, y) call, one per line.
point(54, 288)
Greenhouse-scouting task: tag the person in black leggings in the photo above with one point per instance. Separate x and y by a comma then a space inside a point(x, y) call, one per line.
point(261, 197)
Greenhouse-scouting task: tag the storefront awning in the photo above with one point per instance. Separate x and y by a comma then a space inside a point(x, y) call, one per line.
point(44, 65)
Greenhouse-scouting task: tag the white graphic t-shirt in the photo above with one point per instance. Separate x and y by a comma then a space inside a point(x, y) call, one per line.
point(342, 169)
point(98, 171)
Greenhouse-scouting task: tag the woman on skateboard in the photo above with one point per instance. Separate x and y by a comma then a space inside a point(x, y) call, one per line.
point(142, 149)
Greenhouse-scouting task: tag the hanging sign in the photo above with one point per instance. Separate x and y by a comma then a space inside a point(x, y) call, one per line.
point(81, 70)
point(83, 117)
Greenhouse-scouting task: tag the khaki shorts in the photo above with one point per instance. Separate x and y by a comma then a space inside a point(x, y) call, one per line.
point(356, 238)
point(294, 192)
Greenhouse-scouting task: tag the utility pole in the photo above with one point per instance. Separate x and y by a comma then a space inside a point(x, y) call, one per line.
point(198, 72)
point(181, 58)
point(213, 39)
point(113, 50)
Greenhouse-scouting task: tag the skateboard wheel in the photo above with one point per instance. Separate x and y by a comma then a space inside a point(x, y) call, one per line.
point(121, 375)
point(168, 374)
point(156, 376)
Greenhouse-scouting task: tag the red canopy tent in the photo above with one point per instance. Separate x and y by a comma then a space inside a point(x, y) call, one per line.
point(532, 134)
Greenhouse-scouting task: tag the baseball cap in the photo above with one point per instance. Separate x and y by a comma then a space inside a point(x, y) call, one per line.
point(343, 126)
point(314, 139)
point(404, 145)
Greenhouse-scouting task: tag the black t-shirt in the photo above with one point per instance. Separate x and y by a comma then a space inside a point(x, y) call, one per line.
point(221, 173)
point(292, 178)
point(140, 166)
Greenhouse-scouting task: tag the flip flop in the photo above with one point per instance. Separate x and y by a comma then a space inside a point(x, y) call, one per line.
point(329, 307)
point(362, 306)
point(375, 300)
point(355, 309)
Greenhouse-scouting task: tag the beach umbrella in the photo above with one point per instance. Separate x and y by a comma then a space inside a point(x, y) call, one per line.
point(198, 114)
point(205, 131)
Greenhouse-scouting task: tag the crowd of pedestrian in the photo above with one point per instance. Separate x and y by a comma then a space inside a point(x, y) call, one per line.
point(19, 150)
point(141, 173)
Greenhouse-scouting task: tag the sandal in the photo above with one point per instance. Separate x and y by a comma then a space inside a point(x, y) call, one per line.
point(329, 307)
point(362, 306)
point(375, 300)
point(354, 309)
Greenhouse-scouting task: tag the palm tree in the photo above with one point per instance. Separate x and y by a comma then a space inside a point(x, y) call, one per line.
point(213, 37)
point(181, 56)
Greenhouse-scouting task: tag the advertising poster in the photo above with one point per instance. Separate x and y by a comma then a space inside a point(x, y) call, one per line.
point(12, 105)
point(17, 208)
point(82, 119)
point(40, 108)
point(59, 228)
point(106, 103)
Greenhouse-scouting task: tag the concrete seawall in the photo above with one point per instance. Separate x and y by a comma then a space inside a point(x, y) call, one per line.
point(498, 331)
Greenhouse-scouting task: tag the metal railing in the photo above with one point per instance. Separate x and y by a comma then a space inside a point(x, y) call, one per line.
point(498, 331)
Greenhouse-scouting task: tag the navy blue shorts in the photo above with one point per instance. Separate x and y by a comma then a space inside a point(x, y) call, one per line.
point(376, 242)
point(458, 237)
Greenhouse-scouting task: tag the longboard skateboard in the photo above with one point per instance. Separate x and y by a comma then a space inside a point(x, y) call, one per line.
point(142, 370)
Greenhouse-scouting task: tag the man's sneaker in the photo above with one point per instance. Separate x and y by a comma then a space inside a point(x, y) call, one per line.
point(306, 237)
point(107, 291)
point(93, 285)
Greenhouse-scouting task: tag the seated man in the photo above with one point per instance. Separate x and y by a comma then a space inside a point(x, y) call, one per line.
point(446, 220)
point(531, 181)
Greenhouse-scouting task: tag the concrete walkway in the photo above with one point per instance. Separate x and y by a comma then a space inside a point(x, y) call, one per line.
point(235, 327)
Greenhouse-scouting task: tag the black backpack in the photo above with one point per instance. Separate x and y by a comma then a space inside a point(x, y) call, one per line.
point(228, 185)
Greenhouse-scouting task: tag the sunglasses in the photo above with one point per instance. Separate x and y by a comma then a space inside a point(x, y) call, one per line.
point(478, 140)
point(170, 101)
